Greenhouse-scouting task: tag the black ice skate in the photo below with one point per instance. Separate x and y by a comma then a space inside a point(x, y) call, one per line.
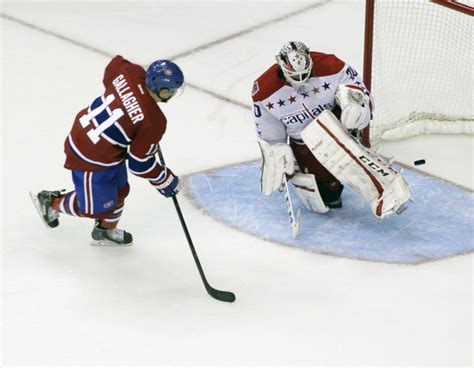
point(42, 202)
point(334, 204)
point(102, 236)
point(334, 199)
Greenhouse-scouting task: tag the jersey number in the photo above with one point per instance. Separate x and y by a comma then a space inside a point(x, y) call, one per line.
point(104, 117)
point(256, 111)
point(351, 73)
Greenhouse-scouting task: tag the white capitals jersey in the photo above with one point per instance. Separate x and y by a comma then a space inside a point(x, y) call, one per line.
point(281, 110)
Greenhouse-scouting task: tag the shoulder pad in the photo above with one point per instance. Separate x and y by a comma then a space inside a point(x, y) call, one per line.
point(267, 84)
point(326, 64)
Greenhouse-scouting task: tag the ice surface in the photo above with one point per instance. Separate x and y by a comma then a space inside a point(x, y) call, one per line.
point(428, 230)
point(66, 303)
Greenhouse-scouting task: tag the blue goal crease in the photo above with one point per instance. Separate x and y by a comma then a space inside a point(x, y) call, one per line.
point(438, 224)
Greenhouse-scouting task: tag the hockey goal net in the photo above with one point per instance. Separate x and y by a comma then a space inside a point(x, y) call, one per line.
point(418, 65)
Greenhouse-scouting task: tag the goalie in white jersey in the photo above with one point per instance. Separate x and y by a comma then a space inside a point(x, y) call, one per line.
point(293, 101)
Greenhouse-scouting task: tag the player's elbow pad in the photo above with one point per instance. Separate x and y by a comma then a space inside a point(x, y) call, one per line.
point(141, 166)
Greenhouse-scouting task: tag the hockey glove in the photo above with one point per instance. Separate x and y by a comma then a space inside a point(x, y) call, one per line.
point(167, 184)
point(355, 107)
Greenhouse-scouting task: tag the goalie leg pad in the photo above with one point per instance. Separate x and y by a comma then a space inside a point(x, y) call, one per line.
point(277, 160)
point(355, 166)
point(307, 190)
point(330, 188)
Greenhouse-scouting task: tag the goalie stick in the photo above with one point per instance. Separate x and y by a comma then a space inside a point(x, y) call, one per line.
point(294, 220)
point(224, 296)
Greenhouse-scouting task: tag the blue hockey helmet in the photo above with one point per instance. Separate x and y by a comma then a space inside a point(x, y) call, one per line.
point(164, 78)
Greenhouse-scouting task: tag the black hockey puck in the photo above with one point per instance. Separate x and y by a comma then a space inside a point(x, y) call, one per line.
point(419, 162)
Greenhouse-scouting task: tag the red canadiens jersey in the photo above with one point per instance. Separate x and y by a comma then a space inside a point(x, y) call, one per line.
point(124, 122)
point(280, 110)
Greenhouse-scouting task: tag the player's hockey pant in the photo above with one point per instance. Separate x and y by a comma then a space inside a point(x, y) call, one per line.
point(98, 195)
point(329, 187)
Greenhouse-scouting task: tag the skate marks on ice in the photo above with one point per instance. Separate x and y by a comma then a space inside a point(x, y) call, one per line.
point(438, 224)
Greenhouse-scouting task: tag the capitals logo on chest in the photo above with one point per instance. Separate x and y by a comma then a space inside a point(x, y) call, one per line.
point(301, 116)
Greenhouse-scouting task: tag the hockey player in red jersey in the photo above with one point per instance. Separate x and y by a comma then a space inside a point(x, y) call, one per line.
point(124, 124)
point(308, 108)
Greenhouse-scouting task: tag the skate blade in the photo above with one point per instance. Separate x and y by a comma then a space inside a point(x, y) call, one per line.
point(108, 243)
point(37, 205)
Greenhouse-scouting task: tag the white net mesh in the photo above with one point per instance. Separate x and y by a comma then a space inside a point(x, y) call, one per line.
point(422, 70)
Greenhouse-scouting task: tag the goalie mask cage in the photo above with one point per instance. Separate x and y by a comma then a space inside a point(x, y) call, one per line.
point(418, 64)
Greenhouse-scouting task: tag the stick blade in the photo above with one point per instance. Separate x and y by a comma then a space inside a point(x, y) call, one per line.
point(295, 227)
point(223, 296)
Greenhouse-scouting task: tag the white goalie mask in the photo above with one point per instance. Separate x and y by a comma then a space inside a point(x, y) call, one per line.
point(295, 62)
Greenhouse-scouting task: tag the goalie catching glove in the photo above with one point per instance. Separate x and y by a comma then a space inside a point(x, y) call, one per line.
point(167, 183)
point(355, 109)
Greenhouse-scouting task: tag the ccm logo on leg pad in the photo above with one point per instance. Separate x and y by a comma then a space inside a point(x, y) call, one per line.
point(373, 165)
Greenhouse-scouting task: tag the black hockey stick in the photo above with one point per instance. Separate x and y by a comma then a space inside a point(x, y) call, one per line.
point(225, 296)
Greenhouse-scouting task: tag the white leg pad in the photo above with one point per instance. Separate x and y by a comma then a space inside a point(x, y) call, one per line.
point(356, 166)
point(307, 190)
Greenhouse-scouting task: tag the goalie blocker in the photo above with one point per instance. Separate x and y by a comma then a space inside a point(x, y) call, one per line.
point(355, 166)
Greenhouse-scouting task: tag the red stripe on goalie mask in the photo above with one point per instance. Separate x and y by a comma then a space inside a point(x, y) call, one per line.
point(374, 180)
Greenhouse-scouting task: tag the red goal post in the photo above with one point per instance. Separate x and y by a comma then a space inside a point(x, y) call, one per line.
point(418, 64)
point(456, 5)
